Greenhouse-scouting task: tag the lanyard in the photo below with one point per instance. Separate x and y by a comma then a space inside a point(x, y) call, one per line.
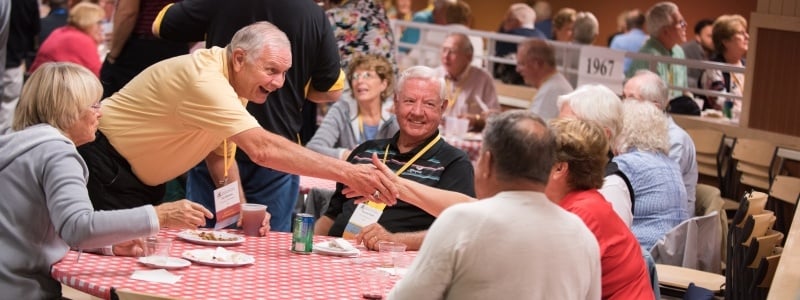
point(226, 163)
point(408, 164)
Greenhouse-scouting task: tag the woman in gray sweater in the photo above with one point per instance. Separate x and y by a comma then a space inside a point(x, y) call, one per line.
point(363, 114)
point(45, 207)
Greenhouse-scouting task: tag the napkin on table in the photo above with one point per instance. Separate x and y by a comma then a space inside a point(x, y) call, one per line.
point(158, 275)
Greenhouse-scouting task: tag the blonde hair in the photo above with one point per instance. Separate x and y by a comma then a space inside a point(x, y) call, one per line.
point(644, 128)
point(85, 14)
point(56, 94)
point(584, 147)
point(564, 17)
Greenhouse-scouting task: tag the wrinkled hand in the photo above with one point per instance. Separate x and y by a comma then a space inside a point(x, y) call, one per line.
point(372, 234)
point(182, 214)
point(366, 179)
point(264, 223)
point(390, 175)
point(129, 248)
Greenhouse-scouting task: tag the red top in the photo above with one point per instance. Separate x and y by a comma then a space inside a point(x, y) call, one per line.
point(68, 44)
point(624, 272)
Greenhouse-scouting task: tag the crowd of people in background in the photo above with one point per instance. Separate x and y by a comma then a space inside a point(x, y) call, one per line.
point(320, 88)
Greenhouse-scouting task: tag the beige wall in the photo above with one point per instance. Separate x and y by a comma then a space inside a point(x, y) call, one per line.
point(487, 13)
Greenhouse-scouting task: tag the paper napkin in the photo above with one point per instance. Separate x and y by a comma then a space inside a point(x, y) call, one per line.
point(158, 275)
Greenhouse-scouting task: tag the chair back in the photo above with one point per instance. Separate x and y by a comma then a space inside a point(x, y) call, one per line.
point(754, 158)
point(707, 144)
point(785, 188)
point(694, 243)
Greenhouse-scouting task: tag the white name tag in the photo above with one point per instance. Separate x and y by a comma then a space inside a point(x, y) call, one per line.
point(227, 204)
point(363, 215)
point(600, 65)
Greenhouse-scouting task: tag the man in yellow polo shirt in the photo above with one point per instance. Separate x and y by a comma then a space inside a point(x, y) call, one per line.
point(189, 108)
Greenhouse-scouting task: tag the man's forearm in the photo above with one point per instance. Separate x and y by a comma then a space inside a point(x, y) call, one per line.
point(413, 240)
point(272, 151)
point(427, 198)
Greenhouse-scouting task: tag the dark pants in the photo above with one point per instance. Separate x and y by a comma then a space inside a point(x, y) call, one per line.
point(112, 184)
point(275, 189)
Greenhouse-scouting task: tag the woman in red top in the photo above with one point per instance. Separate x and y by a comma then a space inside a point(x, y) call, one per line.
point(581, 158)
point(77, 41)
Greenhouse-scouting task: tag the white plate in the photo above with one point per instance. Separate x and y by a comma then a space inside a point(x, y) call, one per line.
point(207, 257)
point(161, 262)
point(194, 236)
point(325, 249)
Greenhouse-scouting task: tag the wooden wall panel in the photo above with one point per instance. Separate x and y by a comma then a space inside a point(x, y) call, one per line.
point(775, 95)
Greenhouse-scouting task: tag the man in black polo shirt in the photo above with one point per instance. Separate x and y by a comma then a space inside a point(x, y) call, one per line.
point(418, 153)
point(315, 75)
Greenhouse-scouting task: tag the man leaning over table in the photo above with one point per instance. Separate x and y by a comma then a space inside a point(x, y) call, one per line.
point(191, 107)
point(418, 150)
point(514, 243)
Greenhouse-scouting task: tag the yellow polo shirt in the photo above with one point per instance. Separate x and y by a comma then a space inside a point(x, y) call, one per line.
point(173, 114)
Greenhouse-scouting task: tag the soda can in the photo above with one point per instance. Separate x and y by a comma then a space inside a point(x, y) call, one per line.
point(303, 234)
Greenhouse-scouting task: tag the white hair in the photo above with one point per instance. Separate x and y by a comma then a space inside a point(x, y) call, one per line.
point(523, 13)
point(644, 128)
point(650, 87)
point(256, 37)
point(596, 103)
point(659, 16)
point(424, 73)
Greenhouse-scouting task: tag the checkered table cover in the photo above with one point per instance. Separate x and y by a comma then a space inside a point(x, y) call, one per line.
point(471, 147)
point(277, 273)
point(307, 183)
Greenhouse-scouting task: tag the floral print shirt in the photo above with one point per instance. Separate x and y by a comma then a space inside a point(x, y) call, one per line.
point(361, 27)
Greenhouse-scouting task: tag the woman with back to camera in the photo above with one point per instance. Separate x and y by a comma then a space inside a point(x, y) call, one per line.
point(45, 208)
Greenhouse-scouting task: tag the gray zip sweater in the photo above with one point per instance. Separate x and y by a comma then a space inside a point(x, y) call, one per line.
point(45, 209)
point(339, 129)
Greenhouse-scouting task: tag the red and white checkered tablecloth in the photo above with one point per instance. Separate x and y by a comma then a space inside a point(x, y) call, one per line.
point(276, 274)
point(307, 183)
point(471, 147)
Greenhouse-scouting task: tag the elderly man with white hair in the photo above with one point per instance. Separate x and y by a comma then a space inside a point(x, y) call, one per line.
point(667, 30)
point(648, 86)
point(599, 104)
point(470, 90)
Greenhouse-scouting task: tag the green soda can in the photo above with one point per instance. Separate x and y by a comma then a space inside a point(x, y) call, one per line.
point(303, 234)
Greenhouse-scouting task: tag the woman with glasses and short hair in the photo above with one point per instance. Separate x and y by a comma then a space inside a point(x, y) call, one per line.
point(364, 114)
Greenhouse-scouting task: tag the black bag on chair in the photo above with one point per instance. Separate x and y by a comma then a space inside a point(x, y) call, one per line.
point(683, 105)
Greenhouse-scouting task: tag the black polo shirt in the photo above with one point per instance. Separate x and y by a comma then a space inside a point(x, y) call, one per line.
point(442, 166)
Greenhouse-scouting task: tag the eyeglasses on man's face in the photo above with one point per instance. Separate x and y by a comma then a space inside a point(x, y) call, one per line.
point(96, 106)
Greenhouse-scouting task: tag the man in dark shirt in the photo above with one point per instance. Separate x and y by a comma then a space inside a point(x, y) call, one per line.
point(23, 26)
point(315, 75)
point(417, 153)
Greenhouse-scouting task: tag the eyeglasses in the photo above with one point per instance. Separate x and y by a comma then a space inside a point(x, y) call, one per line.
point(363, 75)
point(681, 24)
point(96, 106)
point(450, 50)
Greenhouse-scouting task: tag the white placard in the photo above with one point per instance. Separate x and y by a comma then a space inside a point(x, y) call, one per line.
point(600, 65)
point(227, 204)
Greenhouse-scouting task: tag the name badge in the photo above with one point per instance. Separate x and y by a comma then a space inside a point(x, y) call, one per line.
point(364, 215)
point(227, 204)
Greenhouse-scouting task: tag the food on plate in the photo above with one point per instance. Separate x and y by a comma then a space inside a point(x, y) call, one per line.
point(211, 236)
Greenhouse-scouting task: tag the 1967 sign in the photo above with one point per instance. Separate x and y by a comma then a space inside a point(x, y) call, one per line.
point(598, 65)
